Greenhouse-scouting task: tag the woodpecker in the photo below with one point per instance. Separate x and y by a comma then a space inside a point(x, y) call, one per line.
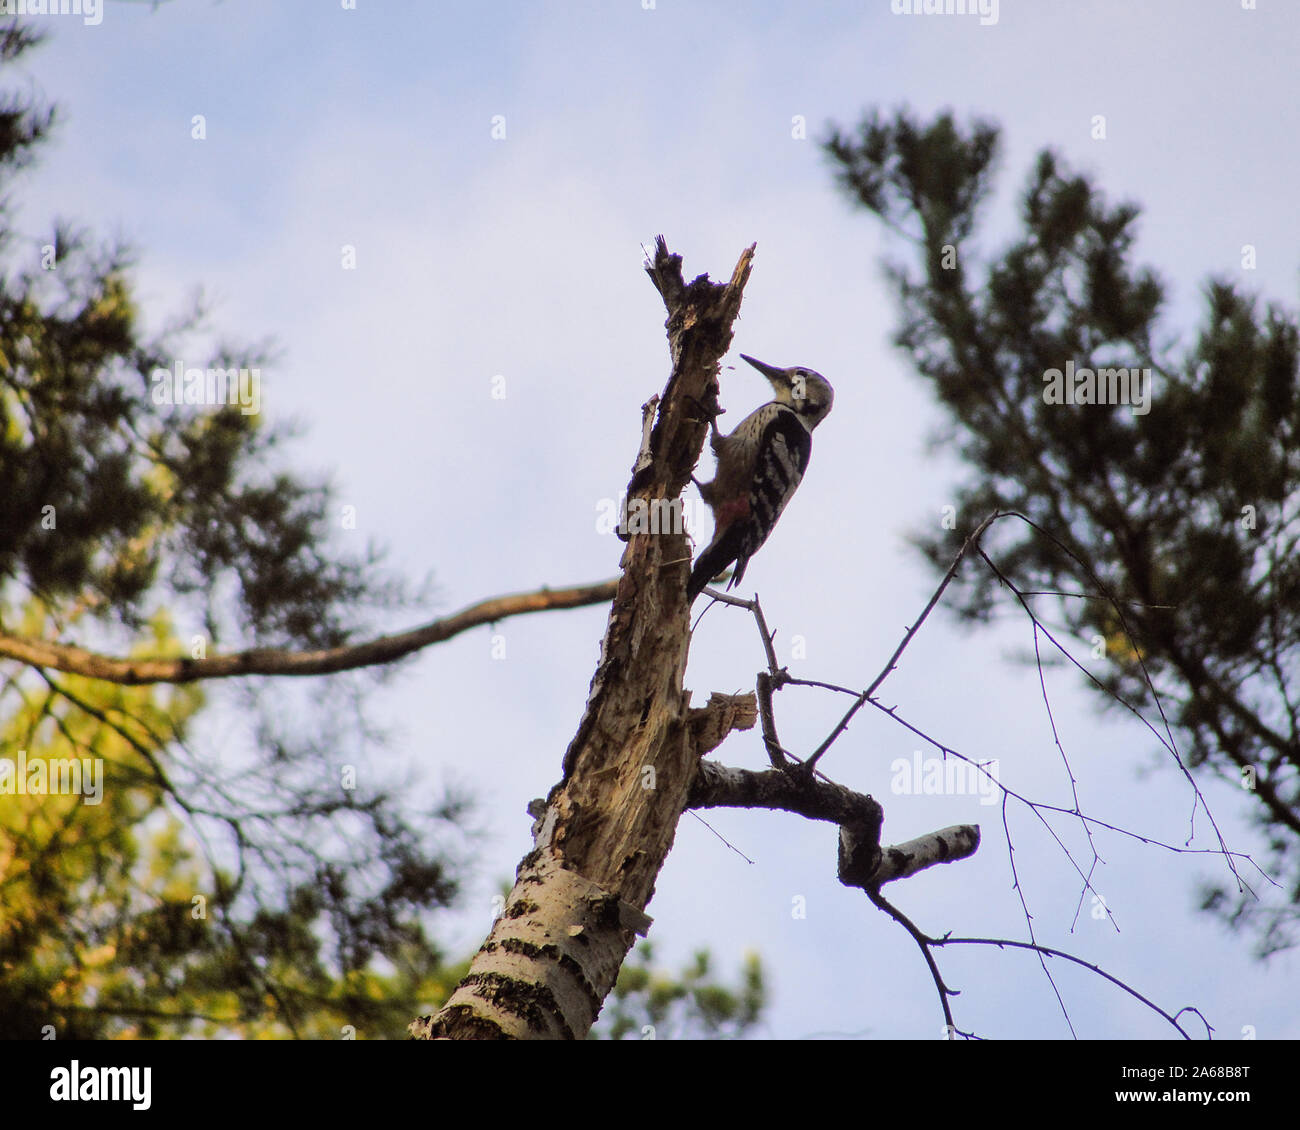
point(760, 465)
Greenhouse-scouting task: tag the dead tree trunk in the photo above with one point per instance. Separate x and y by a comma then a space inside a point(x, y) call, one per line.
point(604, 832)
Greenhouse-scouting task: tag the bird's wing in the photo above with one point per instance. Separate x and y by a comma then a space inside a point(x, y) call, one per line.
point(783, 454)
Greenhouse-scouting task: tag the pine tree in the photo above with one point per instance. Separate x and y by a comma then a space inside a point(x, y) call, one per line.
point(1182, 509)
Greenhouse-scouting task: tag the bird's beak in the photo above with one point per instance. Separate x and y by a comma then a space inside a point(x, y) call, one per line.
point(771, 372)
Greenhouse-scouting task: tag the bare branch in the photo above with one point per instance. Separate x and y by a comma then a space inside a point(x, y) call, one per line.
point(774, 678)
point(1170, 745)
point(722, 786)
point(1048, 951)
point(763, 691)
point(277, 661)
point(924, 943)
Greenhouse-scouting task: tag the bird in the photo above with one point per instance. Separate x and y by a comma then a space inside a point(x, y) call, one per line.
point(760, 465)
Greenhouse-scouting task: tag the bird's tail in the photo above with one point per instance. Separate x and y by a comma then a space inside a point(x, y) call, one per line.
point(719, 553)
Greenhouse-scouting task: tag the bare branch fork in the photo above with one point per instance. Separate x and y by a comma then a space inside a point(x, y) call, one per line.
point(792, 788)
point(862, 863)
point(633, 766)
point(927, 944)
point(973, 542)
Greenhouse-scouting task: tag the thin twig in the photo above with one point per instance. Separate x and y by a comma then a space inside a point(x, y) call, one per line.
point(907, 638)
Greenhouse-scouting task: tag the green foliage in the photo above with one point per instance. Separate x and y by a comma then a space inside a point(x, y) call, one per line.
point(252, 895)
point(648, 1003)
point(112, 924)
point(1184, 515)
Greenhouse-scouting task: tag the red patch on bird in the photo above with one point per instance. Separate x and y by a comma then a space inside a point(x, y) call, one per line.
point(732, 511)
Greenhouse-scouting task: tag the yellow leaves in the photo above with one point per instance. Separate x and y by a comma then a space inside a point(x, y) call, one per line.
point(1120, 648)
point(35, 618)
point(18, 425)
point(162, 481)
point(99, 956)
point(79, 867)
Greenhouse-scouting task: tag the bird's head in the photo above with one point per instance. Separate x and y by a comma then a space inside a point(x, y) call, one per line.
point(807, 392)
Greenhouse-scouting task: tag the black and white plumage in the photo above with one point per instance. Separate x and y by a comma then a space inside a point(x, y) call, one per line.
point(760, 465)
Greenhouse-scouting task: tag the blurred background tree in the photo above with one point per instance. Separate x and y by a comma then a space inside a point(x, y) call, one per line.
point(1188, 516)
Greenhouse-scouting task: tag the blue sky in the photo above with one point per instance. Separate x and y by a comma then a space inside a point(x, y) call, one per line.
point(520, 257)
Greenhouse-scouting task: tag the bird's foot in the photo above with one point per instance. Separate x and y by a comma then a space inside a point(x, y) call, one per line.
point(709, 409)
